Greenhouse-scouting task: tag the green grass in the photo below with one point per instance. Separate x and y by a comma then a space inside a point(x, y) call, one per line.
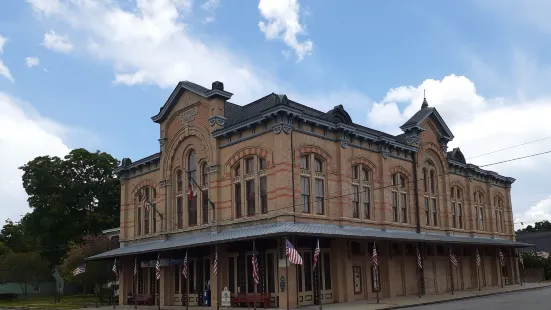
point(47, 302)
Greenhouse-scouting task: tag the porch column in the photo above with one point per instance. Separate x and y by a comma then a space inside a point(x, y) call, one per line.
point(289, 276)
point(165, 286)
point(216, 287)
point(125, 279)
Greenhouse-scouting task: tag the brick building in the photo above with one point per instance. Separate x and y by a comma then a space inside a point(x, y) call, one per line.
point(275, 169)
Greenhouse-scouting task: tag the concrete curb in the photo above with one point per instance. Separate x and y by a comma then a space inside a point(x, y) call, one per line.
point(466, 297)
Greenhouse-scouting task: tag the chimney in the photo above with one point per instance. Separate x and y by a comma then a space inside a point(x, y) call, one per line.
point(218, 85)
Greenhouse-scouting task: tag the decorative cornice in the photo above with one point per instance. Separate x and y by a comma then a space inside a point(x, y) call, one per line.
point(217, 119)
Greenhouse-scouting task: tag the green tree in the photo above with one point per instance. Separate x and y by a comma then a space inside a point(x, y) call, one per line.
point(96, 271)
point(544, 225)
point(70, 197)
point(26, 268)
point(14, 237)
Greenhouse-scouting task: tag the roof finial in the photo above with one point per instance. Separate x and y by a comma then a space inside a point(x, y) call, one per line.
point(425, 103)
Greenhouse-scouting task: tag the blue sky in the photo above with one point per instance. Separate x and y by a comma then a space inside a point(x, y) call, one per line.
point(100, 69)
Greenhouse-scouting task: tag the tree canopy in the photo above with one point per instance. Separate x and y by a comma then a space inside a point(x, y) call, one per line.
point(544, 225)
point(24, 268)
point(69, 198)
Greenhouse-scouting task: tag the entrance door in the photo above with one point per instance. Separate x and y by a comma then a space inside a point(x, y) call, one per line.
point(325, 280)
point(271, 276)
point(305, 280)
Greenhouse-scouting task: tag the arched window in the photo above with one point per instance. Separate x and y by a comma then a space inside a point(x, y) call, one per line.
point(179, 200)
point(500, 222)
point(312, 180)
point(361, 189)
point(253, 186)
point(457, 207)
point(192, 190)
point(479, 210)
point(431, 194)
point(399, 198)
point(146, 215)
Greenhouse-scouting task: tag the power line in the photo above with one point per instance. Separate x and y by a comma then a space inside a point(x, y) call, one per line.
point(509, 160)
point(508, 148)
point(57, 247)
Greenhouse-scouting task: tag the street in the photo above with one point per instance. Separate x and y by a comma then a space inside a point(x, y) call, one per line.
point(533, 299)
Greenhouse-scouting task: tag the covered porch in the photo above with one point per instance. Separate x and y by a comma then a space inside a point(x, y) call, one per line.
point(345, 270)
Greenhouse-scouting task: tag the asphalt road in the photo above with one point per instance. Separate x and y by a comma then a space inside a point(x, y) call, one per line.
point(527, 300)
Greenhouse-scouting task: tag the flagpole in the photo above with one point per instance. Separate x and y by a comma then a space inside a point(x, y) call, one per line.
point(286, 271)
point(254, 279)
point(478, 259)
point(187, 282)
point(135, 283)
point(377, 275)
point(113, 286)
point(451, 269)
point(418, 271)
point(218, 286)
point(319, 279)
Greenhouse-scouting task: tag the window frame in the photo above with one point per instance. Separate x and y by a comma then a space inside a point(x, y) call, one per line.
point(361, 178)
point(250, 168)
point(399, 191)
point(313, 167)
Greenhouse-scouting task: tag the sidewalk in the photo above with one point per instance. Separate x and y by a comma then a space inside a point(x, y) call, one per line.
point(412, 301)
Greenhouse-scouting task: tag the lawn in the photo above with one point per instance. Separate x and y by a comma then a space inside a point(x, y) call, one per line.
point(47, 302)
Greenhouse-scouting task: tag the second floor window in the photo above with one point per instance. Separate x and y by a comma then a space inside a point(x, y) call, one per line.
point(478, 205)
point(252, 184)
point(312, 179)
point(457, 207)
point(146, 205)
point(361, 187)
point(191, 188)
point(399, 198)
point(431, 192)
point(500, 221)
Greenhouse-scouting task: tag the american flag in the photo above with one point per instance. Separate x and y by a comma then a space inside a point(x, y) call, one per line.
point(80, 269)
point(255, 266)
point(135, 266)
point(158, 267)
point(292, 253)
point(520, 259)
point(215, 265)
point(190, 191)
point(453, 259)
point(419, 262)
point(316, 254)
point(478, 260)
point(374, 256)
point(115, 266)
point(184, 267)
point(501, 258)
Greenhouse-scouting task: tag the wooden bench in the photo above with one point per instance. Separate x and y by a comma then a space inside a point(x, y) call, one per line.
point(144, 299)
point(248, 300)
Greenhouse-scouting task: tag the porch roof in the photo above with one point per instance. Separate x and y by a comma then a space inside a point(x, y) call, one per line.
point(289, 229)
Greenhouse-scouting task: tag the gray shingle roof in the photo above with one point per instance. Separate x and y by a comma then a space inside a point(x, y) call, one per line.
point(287, 229)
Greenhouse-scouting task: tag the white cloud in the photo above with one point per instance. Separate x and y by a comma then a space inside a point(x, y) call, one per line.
point(480, 125)
point(210, 7)
point(282, 21)
point(58, 43)
point(4, 71)
point(536, 213)
point(32, 61)
point(27, 135)
point(150, 44)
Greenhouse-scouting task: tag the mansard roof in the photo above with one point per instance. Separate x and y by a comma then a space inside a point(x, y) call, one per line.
point(457, 155)
point(217, 90)
point(424, 113)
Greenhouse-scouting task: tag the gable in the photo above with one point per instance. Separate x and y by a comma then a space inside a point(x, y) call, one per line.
point(217, 90)
point(428, 113)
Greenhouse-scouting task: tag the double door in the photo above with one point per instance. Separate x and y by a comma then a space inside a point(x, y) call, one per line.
point(199, 271)
point(314, 285)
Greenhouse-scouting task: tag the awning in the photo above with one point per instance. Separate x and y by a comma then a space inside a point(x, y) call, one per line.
point(300, 229)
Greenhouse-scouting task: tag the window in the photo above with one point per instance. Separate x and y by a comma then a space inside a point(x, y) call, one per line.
point(205, 205)
point(399, 198)
point(253, 183)
point(479, 210)
point(205, 174)
point(312, 181)
point(179, 200)
point(192, 204)
point(457, 207)
point(431, 192)
point(249, 165)
point(361, 186)
point(427, 211)
point(500, 221)
point(249, 188)
point(264, 195)
point(237, 194)
point(305, 194)
point(146, 217)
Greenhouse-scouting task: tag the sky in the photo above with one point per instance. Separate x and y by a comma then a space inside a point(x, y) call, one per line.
point(91, 73)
